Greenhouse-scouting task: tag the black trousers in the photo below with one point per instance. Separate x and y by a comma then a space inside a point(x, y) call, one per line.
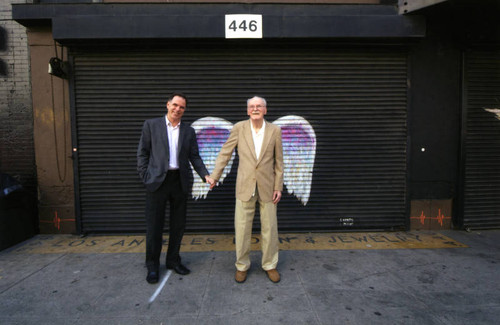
point(156, 201)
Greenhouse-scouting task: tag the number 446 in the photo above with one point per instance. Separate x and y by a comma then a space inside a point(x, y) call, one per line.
point(244, 26)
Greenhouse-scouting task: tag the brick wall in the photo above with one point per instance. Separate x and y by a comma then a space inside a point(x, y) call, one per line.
point(17, 157)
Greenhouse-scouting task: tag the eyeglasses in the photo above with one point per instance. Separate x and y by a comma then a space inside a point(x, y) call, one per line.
point(256, 106)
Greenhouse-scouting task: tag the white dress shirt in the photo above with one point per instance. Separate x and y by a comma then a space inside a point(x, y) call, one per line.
point(173, 143)
point(258, 138)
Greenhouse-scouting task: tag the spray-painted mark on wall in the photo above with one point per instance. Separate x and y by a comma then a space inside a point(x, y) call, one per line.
point(440, 217)
point(56, 221)
point(495, 111)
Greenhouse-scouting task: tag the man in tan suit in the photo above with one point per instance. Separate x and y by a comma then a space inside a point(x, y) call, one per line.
point(259, 178)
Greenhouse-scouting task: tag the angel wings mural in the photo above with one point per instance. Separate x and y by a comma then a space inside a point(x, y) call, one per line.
point(299, 150)
point(495, 111)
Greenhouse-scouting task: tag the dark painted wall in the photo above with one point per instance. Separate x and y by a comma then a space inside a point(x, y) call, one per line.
point(434, 111)
point(436, 92)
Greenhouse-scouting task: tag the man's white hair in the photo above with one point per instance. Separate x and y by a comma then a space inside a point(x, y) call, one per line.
point(257, 97)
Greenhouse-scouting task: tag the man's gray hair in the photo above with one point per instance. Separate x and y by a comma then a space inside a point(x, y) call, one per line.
point(257, 97)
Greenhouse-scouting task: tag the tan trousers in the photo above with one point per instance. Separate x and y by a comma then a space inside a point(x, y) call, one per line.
point(243, 218)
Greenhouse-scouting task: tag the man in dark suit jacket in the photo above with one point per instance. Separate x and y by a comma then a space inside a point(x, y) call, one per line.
point(165, 150)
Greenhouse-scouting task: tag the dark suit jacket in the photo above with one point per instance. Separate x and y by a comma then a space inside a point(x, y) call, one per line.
point(153, 155)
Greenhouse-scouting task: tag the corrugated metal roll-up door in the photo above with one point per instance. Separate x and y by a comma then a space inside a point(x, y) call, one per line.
point(481, 190)
point(353, 98)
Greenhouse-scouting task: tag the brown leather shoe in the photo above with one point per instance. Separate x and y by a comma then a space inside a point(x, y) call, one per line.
point(240, 276)
point(273, 275)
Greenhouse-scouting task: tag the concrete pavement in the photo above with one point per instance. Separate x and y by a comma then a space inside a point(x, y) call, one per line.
point(68, 281)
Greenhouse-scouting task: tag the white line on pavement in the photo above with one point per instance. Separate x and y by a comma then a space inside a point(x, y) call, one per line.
point(157, 292)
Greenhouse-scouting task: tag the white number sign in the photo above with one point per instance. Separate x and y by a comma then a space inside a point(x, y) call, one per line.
point(243, 26)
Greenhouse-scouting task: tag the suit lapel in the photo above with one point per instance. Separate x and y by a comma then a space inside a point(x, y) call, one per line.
point(182, 134)
point(247, 132)
point(265, 142)
point(162, 125)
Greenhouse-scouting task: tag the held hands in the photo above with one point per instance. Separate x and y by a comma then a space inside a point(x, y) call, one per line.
point(213, 183)
point(210, 181)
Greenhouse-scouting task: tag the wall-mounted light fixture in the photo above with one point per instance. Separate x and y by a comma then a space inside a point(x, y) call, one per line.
point(58, 67)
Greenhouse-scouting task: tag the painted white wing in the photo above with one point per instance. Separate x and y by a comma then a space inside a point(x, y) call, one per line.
point(211, 134)
point(495, 111)
point(299, 151)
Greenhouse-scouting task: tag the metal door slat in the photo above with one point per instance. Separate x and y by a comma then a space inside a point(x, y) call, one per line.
point(481, 190)
point(355, 99)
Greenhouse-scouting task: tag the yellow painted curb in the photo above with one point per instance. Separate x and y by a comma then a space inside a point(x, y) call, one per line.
point(58, 244)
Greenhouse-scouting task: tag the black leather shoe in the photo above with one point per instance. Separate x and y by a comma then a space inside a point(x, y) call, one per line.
point(179, 269)
point(153, 277)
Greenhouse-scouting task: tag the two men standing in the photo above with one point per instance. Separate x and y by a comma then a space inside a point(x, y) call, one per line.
point(165, 150)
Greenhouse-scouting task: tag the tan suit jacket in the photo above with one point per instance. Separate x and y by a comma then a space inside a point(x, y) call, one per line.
point(266, 172)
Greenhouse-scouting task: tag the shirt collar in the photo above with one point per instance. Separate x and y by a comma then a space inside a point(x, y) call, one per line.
point(170, 123)
point(261, 129)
